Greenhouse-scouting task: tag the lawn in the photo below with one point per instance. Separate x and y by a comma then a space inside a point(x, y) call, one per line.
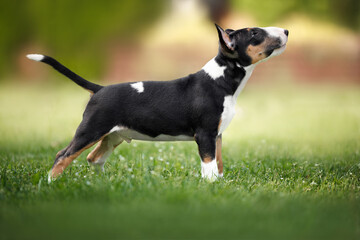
point(291, 161)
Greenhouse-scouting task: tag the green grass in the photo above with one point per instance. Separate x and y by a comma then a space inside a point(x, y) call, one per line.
point(291, 159)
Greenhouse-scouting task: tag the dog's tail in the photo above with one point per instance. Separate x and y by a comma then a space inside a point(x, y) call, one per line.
point(92, 87)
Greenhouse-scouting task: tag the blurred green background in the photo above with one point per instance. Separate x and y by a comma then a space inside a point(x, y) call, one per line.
point(291, 154)
point(129, 40)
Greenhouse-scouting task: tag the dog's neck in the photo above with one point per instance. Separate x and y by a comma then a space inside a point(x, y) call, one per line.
point(228, 73)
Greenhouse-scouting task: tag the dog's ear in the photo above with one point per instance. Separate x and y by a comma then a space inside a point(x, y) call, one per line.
point(227, 43)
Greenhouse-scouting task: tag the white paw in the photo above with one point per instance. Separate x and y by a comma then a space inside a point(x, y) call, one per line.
point(209, 170)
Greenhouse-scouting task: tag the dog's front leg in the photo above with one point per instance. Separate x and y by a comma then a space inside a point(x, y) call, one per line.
point(207, 150)
point(218, 155)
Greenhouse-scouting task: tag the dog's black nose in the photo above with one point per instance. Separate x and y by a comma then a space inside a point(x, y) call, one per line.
point(286, 32)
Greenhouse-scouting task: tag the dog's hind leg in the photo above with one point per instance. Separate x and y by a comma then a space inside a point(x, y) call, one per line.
point(84, 138)
point(102, 151)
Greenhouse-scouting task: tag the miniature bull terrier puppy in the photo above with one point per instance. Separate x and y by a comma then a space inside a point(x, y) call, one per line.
point(198, 107)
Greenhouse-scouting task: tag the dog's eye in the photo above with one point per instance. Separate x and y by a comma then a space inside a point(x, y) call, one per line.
point(254, 33)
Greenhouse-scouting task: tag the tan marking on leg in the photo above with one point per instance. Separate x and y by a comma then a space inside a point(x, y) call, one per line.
point(218, 154)
point(219, 125)
point(58, 153)
point(63, 163)
point(207, 159)
point(100, 150)
point(94, 154)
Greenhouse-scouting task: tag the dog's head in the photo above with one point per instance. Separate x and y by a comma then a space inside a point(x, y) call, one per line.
point(252, 45)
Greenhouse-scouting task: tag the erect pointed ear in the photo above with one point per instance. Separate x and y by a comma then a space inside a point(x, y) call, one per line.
point(226, 41)
point(228, 31)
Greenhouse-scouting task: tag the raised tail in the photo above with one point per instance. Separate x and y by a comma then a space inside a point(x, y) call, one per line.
point(92, 87)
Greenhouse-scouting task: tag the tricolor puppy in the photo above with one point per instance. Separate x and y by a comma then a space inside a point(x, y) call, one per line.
point(197, 107)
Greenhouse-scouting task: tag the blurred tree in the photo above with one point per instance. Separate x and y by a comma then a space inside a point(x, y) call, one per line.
point(344, 12)
point(77, 30)
point(217, 10)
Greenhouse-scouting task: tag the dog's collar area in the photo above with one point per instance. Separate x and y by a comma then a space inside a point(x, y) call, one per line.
point(226, 59)
point(214, 69)
point(227, 74)
point(223, 60)
point(220, 68)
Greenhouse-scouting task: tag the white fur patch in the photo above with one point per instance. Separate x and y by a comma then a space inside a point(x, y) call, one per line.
point(115, 129)
point(276, 32)
point(249, 69)
point(139, 86)
point(35, 57)
point(278, 51)
point(228, 113)
point(209, 170)
point(230, 101)
point(213, 69)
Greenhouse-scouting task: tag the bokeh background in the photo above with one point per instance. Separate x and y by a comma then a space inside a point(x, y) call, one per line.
point(130, 40)
point(120, 41)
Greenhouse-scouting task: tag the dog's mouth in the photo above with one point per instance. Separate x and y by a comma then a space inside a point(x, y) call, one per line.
point(277, 44)
point(276, 47)
point(282, 46)
point(276, 50)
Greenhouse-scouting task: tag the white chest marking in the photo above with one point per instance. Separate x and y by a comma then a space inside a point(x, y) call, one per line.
point(213, 69)
point(249, 70)
point(230, 101)
point(228, 113)
point(139, 86)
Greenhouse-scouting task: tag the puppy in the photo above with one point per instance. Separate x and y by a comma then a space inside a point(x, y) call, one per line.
point(198, 107)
